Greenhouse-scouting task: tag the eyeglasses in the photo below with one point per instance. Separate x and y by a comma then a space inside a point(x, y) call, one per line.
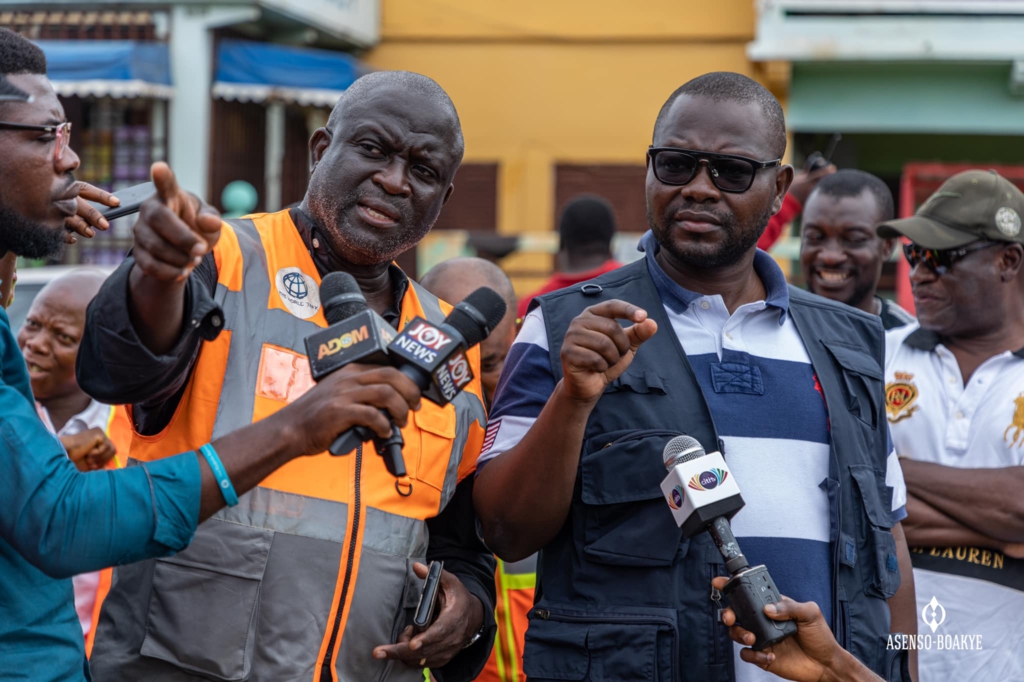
point(942, 260)
point(62, 133)
point(729, 173)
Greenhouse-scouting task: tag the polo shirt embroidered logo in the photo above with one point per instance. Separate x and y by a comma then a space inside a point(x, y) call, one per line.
point(298, 291)
point(900, 396)
point(1018, 423)
point(1008, 221)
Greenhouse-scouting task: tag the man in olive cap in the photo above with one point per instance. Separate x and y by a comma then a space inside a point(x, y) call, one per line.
point(955, 404)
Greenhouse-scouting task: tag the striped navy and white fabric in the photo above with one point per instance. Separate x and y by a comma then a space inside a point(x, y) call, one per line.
point(767, 405)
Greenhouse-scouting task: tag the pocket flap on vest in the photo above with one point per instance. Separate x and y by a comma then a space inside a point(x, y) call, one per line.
point(624, 466)
point(204, 602)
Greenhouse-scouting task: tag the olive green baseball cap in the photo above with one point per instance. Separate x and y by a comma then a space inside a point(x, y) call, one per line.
point(972, 205)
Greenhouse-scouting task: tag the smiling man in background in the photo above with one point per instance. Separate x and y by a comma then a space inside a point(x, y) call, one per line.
point(840, 252)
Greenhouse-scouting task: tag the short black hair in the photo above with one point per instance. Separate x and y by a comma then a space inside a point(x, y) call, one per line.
point(19, 55)
point(851, 182)
point(407, 81)
point(587, 225)
point(721, 86)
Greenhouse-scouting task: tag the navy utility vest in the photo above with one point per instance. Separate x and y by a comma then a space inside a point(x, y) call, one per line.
point(623, 596)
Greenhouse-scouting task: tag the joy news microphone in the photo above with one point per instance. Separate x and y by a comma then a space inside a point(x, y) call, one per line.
point(703, 495)
point(435, 356)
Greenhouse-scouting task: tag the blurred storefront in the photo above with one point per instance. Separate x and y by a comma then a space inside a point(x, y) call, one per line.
point(903, 81)
point(227, 91)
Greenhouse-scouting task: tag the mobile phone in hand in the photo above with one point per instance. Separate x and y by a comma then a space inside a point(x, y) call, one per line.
point(131, 200)
point(428, 599)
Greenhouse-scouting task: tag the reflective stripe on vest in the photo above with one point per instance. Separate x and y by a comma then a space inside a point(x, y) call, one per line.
point(515, 583)
point(288, 546)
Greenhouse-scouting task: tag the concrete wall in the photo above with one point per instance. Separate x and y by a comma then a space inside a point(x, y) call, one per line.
point(539, 82)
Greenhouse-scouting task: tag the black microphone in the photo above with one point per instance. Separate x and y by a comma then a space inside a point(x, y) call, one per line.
point(703, 496)
point(356, 334)
point(435, 356)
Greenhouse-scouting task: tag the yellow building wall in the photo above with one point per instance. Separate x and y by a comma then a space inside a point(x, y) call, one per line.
point(542, 82)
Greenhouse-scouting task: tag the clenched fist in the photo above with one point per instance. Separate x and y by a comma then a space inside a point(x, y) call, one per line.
point(89, 450)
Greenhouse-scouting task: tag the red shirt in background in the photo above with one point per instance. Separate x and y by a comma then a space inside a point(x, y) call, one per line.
point(791, 208)
point(561, 280)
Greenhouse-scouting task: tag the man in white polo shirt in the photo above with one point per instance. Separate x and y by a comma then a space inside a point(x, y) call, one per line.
point(955, 404)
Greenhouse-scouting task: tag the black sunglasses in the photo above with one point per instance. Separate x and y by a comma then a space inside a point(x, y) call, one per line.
point(729, 173)
point(942, 260)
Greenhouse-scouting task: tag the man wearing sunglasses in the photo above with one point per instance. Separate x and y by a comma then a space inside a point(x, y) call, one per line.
point(955, 404)
point(785, 384)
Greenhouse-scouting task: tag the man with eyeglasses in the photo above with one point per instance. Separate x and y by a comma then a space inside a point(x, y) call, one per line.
point(55, 521)
point(955, 404)
point(787, 385)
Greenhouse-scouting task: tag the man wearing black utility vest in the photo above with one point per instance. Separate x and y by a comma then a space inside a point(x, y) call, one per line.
point(787, 385)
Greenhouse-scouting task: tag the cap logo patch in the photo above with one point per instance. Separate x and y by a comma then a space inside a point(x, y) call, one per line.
point(1008, 221)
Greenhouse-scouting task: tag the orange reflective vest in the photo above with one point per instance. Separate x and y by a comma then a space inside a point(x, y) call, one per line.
point(516, 583)
point(315, 564)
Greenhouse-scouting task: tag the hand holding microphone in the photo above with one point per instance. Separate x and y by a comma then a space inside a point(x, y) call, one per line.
point(432, 356)
point(812, 655)
point(703, 496)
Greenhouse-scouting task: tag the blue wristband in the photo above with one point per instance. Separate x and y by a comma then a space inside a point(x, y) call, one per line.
point(223, 482)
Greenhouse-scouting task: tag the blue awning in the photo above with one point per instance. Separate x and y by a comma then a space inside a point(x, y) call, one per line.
point(108, 68)
point(255, 72)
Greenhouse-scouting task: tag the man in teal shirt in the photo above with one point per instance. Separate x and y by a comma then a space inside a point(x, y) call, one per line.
point(56, 521)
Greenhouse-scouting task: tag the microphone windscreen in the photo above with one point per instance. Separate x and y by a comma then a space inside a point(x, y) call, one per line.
point(681, 449)
point(341, 297)
point(477, 315)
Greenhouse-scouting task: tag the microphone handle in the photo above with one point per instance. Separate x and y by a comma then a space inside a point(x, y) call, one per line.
point(749, 590)
point(721, 532)
point(389, 448)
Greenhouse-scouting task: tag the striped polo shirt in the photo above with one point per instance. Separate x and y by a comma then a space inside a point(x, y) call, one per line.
point(764, 397)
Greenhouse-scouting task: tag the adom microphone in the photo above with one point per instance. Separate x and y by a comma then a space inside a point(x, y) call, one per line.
point(355, 334)
point(703, 495)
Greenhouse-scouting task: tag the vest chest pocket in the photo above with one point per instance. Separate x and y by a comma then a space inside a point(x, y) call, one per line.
point(876, 497)
point(436, 432)
point(861, 380)
point(627, 521)
point(204, 601)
